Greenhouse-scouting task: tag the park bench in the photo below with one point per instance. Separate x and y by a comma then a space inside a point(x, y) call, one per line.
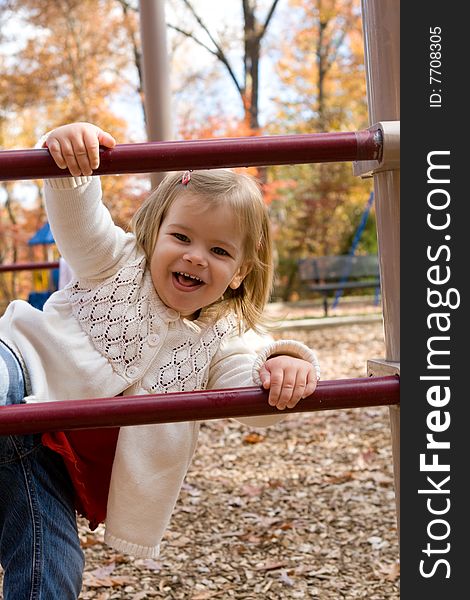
point(326, 274)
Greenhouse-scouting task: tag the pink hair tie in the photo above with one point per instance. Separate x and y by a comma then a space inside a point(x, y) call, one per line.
point(186, 177)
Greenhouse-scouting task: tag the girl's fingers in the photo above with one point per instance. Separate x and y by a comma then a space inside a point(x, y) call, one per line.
point(265, 377)
point(81, 158)
point(68, 154)
point(298, 391)
point(77, 147)
point(296, 386)
point(93, 140)
point(275, 386)
point(54, 148)
point(285, 387)
point(311, 384)
point(288, 382)
point(106, 139)
point(92, 150)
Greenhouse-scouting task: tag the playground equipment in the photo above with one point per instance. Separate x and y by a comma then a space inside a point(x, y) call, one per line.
point(45, 281)
point(92, 413)
point(190, 406)
point(28, 266)
point(375, 152)
point(202, 154)
point(325, 274)
point(352, 250)
point(381, 25)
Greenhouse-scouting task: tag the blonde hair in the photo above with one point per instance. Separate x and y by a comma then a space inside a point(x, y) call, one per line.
point(240, 193)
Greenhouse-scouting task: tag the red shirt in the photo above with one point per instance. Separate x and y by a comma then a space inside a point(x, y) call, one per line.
point(88, 455)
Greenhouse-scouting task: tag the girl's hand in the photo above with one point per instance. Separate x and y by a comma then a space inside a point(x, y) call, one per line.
point(76, 147)
point(288, 379)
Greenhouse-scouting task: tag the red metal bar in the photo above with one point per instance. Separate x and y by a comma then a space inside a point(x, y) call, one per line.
point(199, 154)
point(190, 406)
point(28, 266)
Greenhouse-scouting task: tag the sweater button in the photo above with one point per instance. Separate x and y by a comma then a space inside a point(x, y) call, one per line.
point(153, 339)
point(172, 314)
point(132, 371)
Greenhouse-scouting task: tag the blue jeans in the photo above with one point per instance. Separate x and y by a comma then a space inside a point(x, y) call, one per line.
point(39, 545)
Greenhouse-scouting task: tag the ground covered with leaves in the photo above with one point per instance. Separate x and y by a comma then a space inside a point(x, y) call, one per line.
point(305, 509)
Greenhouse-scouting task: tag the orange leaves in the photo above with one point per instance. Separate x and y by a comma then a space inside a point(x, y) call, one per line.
point(64, 65)
point(253, 438)
point(105, 577)
point(216, 126)
point(322, 68)
point(274, 189)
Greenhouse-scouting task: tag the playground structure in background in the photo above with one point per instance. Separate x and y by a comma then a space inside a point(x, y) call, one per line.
point(374, 152)
point(46, 280)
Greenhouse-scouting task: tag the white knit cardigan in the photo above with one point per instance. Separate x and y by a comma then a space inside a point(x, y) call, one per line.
point(108, 333)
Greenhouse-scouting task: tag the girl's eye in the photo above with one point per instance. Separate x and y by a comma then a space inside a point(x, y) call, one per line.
point(181, 237)
point(220, 251)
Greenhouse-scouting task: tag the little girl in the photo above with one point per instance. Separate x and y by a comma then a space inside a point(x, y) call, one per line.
point(170, 307)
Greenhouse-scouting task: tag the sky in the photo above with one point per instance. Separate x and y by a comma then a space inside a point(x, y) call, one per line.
point(219, 16)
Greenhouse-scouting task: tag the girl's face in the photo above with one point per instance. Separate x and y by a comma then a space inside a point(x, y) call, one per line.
point(197, 256)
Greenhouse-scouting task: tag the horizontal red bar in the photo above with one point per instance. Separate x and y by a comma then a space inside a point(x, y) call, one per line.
point(28, 266)
point(205, 154)
point(190, 406)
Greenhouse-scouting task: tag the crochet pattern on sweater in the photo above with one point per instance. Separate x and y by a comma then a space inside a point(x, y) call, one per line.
point(186, 369)
point(123, 315)
point(116, 314)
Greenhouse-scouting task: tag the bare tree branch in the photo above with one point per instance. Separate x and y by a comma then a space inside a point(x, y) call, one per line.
point(126, 8)
point(268, 19)
point(334, 52)
point(218, 52)
point(220, 56)
point(127, 5)
point(202, 24)
point(248, 88)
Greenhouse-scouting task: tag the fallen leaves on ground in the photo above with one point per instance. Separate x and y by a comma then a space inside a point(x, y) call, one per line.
point(304, 509)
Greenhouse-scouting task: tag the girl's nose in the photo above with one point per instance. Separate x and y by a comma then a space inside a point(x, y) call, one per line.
point(195, 258)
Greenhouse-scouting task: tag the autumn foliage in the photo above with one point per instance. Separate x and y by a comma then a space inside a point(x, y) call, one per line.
point(70, 60)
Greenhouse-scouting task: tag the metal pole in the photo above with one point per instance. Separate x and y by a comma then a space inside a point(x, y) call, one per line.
point(189, 406)
point(204, 154)
point(352, 250)
point(156, 77)
point(30, 266)
point(381, 22)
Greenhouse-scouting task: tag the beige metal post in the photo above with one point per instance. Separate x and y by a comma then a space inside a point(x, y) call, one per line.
point(381, 24)
point(155, 74)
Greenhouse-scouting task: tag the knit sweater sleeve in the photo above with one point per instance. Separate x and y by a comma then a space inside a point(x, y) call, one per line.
point(83, 229)
point(239, 360)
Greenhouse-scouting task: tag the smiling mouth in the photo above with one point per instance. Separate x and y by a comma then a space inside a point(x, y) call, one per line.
point(187, 280)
